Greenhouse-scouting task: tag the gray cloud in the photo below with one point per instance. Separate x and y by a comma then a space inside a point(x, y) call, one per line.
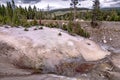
point(115, 0)
point(63, 3)
point(115, 3)
point(22, 1)
point(30, 1)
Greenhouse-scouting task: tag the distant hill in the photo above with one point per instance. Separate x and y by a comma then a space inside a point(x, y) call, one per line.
point(68, 9)
point(78, 9)
point(63, 11)
point(111, 8)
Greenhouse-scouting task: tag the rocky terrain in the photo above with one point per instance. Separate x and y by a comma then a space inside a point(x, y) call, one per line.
point(108, 34)
point(43, 54)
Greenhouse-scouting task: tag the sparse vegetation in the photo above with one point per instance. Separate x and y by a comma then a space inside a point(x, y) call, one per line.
point(26, 29)
point(26, 17)
point(52, 25)
point(34, 22)
point(64, 26)
point(18, 16)
point(75, 28)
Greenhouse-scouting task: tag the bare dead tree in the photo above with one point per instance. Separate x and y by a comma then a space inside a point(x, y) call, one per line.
point(95, 13)
point(74, 4)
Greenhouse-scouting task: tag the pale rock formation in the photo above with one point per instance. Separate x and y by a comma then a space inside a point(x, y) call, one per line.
point(45, 48)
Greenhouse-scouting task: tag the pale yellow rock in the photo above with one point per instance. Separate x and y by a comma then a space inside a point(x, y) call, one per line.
point(46, 47)
point(91, 51)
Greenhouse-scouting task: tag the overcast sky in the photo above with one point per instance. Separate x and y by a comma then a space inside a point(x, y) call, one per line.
point(42, 4)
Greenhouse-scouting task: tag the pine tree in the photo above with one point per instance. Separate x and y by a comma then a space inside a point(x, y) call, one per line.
point(3, 10)
point(9, 13)
point(30, 13)
point(9, 10)
point(34, 12)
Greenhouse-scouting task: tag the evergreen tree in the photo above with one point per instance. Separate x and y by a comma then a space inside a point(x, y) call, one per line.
point(29, 13)
point(3, 10)
point(9, 10)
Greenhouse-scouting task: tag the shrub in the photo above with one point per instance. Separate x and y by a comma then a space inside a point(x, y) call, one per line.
point(7, 20)
point(34, 22)
point(70, 27)
point(56, 24)
point(96, 24)
point(1, 20)
point(52, 25)
point(81, 31)
point(26, 29)
point(64, 27)
point(26, 24)
point(75, 28)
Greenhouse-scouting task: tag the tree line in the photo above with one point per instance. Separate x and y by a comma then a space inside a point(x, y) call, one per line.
point(16, 15)
point(104, 15)
point(95, 14)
